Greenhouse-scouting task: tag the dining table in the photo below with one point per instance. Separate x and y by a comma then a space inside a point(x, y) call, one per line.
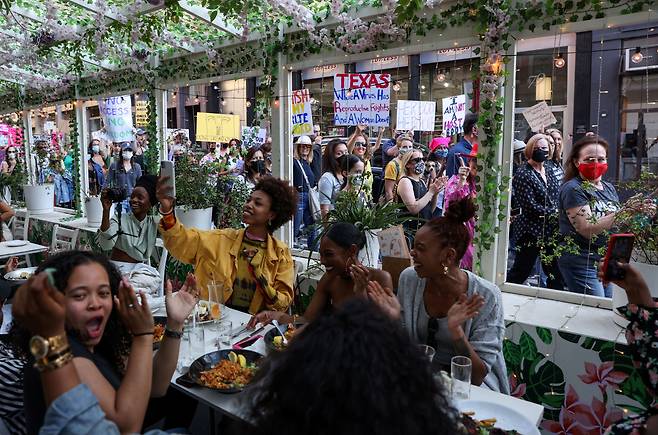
point(16, 248)
point(235, 405)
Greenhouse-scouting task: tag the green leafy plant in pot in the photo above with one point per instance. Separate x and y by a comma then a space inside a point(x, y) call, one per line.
point(195, 193)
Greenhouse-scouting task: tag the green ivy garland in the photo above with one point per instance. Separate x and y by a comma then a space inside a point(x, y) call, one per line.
point(152, 154)
point(75, 150)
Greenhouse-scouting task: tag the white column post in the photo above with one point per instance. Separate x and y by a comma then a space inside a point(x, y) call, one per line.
point(27, 137)
point(161, 116)
point(81, 122)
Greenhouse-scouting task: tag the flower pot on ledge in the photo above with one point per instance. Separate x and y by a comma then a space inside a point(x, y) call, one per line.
point(369, 255)
point(94, 211)
point(39, 198)
point(195, 218)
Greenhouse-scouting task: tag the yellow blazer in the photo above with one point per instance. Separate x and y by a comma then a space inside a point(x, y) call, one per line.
point(214, 255)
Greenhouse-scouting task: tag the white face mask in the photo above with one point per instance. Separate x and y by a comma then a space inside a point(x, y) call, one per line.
point(45, 163)
point(95, 148)
point(11, 155)
point(127, 155)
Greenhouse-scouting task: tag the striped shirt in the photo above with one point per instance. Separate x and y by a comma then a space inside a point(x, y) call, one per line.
point(11, 388)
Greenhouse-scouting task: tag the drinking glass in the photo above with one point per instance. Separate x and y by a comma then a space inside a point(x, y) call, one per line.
point(460, 371)
point(216, 299)
point(196, 343)
point(225, 331)
point(428, 351)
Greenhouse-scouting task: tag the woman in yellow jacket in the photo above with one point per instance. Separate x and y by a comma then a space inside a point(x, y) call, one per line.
point(255, 268)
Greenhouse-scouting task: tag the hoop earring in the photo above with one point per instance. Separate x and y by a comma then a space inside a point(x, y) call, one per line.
point(445, 269)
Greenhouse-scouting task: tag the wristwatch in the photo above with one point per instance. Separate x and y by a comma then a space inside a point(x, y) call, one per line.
point(173, 334)
point(42, 347)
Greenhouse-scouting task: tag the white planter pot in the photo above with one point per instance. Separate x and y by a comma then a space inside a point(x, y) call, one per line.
point(195, 218)
point(369, 255)
point(619, 299)
point(94, 211)
point(40, 199)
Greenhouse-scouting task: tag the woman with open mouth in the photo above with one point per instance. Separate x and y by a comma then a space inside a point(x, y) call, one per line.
point(253, 269)
point(109, 330)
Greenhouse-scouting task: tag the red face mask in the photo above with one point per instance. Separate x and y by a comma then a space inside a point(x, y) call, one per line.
point(593, 170)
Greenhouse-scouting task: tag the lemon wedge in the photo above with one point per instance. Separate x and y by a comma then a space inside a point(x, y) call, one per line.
point(243, 361)
point(233, 357)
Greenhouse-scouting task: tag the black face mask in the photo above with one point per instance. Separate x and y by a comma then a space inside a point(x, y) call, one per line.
point(258, 166)
point(224, 146)
point(539, 155)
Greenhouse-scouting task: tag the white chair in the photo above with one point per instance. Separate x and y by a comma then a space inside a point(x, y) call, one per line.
point(20, 225)
point(64, 239)
point(162, 265)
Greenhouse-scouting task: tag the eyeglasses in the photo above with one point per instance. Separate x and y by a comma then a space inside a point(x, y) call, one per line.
point(417, 160)
point(359, 144)
point(595, 160)
point(305, 145)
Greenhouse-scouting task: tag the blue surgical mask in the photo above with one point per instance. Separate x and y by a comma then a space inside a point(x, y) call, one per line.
point(441, 153)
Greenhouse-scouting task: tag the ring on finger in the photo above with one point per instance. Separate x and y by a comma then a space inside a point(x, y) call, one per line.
point(131, 305)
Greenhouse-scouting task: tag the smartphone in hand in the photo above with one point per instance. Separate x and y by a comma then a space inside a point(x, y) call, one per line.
point(167, 170)
point(620, 248)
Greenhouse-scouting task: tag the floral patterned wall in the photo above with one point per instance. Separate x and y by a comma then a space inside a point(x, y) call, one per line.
point(585, 384)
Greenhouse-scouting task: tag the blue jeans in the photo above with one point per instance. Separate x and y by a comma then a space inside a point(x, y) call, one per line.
point(303, 215)
point(580, 275)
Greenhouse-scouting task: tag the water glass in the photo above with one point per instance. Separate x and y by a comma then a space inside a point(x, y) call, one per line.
point(428, 351)
point(225, 331)
point(460, 372)
point(196, 343)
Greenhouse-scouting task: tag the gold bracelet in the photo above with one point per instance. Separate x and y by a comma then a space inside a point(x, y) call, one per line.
point(54, 362)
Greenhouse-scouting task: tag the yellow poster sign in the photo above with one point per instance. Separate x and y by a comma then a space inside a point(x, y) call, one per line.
point(213, 127)
point(141, 113)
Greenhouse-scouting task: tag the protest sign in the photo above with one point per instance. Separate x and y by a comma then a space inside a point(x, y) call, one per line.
point(416, 115)
point(454, 112)
point(141, 113)
point(117, 118)
point(539, 116)
point(214, 127)
point(362, 99)
point(302, 118)
point(253, 136)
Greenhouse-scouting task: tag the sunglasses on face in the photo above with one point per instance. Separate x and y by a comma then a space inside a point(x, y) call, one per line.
point(306, 146)
point(416, 160)
point(359, 144)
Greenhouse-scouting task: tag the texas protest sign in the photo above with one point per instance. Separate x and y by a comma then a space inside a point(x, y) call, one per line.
point(117, 118)
point(454, 112)
point(302, 118)
point(362, 99)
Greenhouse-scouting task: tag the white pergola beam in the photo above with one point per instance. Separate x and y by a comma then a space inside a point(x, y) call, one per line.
point(202, 14)
point(93, 8)
point(27, 73)
point(5, 78)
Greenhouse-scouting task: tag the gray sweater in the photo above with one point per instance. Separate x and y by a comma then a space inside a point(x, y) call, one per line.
point(484, 332)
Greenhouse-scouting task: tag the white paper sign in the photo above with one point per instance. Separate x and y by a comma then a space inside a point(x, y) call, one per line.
point(416, 115)
point(539, 116)
point(454, 112)
point(118, 118)
point(302, 116)
point(362, 99)
point(49, 126)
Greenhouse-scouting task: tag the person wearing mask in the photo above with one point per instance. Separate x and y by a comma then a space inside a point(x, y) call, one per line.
point(107, 335)
point(395, 169)
point(255, 268)
point(359, 145)
point(535, 190)
point(450, 309)
point(439, 150)
point(390, 147)
point(9, 163)
point(132, 242)
point(266, 148)
point(345, 278)
point(554, 161)
point(254, 167)
point(462, 186)
point(352, 170)
point(211, 155)
point(95, 168)
point(464, 146)
point(432, 169)
point(332, 179)
point(419, 199)
point(124, 173)
point(317, 152)
point(304, 180)
point(588, 207)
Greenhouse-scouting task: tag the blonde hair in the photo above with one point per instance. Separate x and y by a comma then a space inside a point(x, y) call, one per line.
point(368, 153)
point(556, 155)
point(530, 146)
point(404, 161)
point(298, 155)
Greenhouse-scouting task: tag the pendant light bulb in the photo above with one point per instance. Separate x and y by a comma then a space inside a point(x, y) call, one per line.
point(559, 61)
point(396, 87)
point(637, 56)
point(441, 77)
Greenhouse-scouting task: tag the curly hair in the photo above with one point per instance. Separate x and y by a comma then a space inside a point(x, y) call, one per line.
point(449, 230)
point(116, 340)
point(283, 197)
point(351, 372)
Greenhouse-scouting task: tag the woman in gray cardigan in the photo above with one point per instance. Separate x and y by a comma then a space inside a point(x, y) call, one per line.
point(450, 309)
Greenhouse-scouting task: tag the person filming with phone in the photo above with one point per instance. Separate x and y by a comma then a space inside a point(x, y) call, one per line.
point(131, 235)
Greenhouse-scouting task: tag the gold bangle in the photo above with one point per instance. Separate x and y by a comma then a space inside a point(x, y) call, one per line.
point(56, 362)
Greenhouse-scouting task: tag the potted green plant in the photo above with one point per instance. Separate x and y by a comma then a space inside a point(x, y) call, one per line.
point(40, 192)
point(370, 218)
point(13, 182)
point(195, 193)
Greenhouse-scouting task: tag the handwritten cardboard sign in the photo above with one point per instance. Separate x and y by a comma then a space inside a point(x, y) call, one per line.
point(416, 115)
point(539, 116)
point(215, 127)
point(302, 117)
point(117, 117)
point(454, 112)
point(141, 113)
point(362, 99)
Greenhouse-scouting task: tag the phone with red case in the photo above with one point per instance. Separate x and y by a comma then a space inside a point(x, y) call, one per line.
point(620, 248)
